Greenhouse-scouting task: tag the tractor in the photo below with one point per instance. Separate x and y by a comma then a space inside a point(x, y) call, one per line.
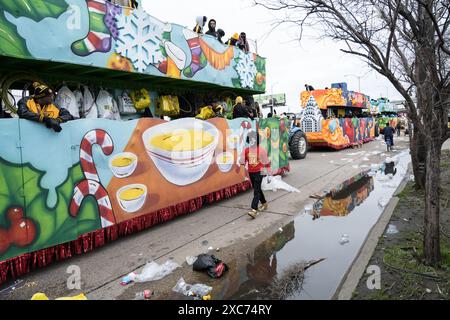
point(298, 144)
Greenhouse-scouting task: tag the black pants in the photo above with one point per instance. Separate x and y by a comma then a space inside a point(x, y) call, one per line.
point(258, 195)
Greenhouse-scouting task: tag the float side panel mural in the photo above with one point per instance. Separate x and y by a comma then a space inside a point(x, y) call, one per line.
point(97, 173)
point(97, 33)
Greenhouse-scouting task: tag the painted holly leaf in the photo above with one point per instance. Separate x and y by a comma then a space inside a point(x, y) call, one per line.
point(53, 225)
point(11, 195)
point(260, 64)
point(10, 42)
point(35, 10)
point(236, 82)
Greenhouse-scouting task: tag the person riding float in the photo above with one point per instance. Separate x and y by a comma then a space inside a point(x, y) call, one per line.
point(41, 107)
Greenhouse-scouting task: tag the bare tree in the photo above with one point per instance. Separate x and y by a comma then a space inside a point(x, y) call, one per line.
point(408, 42)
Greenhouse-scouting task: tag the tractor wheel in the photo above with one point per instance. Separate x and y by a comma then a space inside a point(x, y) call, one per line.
point(298, 146)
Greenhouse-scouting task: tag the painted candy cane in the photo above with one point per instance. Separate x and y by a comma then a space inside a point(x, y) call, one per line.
point(101, 138)
point(93, 188)
point(243, 133)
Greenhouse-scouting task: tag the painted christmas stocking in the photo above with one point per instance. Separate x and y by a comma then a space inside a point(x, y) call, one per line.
point(99, 38)
point(199, 60)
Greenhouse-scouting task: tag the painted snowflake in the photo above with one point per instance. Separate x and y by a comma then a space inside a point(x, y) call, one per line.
point(139, 40)
point(246, 69)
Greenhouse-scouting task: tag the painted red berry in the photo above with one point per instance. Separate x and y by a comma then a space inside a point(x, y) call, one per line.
point(22, 232)
point(4, 241)
point(246, 125)
point(15, 214)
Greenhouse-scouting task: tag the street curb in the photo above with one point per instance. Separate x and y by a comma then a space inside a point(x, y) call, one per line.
point(358, 267)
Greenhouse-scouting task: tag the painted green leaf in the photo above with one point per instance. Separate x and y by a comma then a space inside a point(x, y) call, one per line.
point(11, 195)
point(53, 225)
point(10, 42)
point(236, 82)
point(35, 10)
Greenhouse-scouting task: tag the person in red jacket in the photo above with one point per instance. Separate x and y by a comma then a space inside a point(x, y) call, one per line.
point(257, 159)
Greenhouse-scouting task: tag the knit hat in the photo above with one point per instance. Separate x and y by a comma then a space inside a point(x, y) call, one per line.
point(41, 90)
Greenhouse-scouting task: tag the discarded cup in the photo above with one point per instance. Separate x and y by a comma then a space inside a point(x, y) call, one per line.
point(143, 295)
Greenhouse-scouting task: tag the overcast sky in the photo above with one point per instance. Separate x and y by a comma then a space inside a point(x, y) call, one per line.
point(290, 63)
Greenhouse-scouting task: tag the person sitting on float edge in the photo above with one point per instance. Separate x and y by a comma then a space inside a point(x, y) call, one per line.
point(243, 43)
point(40, 107)
point(240, 110)
point(220, 35)
point(233, 40)
point(212, 28)
point(200, 24)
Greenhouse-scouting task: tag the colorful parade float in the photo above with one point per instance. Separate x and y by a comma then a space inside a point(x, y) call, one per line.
point(385, 113)
point(139, 154)
point(334, 118)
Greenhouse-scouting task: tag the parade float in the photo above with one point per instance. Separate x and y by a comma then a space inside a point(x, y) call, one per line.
point(333, 117)
point(65, 194)
point(385, 112)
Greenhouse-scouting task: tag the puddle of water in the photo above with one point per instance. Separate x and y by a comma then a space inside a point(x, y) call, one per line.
point(350, 210)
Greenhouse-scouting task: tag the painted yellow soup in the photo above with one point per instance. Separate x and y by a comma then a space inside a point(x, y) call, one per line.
point(131, 194)
point(224, 159)
point(183, 140)
point(122, 161)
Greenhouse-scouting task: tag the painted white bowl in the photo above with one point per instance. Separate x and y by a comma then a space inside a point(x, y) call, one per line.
point(181, 167)
point(126, 171)
point(134, 205)
point(225, 166)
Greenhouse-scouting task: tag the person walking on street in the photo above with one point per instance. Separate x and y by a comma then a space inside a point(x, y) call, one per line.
point(389, 136)
point(257, 160)
point(399, 128)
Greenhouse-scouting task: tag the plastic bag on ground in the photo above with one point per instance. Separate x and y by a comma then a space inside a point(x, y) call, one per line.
point(275, 183)
point(344, 239)
point(153, 271)
point(187, 289)
point(89, 107)
point(214, 267)
point(190, 260)
point(392, 229)
point(67, 100)
point(383, 201)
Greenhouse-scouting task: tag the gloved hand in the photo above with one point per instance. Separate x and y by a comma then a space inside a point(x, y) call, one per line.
point(53, 124)
point(46, 122)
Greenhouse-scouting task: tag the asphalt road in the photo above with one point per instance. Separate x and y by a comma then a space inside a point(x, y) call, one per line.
point(224, 225)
